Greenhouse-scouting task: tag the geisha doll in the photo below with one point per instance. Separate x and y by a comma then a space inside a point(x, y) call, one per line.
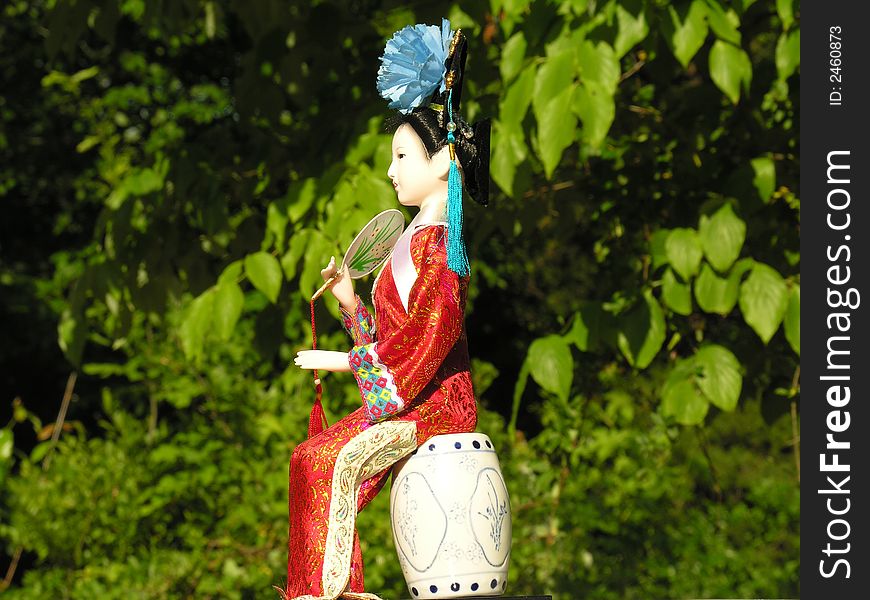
point(410, 358)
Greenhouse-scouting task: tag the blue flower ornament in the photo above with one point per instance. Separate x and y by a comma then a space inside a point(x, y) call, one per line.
point(412, 66)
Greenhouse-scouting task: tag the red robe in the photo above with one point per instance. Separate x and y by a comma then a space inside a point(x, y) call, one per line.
point(412, 369)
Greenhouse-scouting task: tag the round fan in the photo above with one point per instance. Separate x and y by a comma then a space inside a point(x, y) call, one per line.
point(370, 247)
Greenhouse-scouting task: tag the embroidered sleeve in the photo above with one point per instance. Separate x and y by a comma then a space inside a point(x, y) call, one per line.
point(360, 325)
point(393, 371)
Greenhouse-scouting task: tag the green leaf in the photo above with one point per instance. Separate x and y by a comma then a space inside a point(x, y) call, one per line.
point(716, 294)
point(301, 195)
point(232, 272)
point(685, 30)
point(724, 24)
point(553, 77)
point(785, 10)
point(87, 143)
point(551, 364)
point(264, 272)
point(71, 335)
point(228, 303)
point(276, 223)
point(40, 450)
point(718, 376)
point(684, 403)
point(551, 102)
point(658, 255)
point(508, 151)
point(681, 398)
point(585, 328)
point(763, 300)
point(788, 53)
point(210, 25)
point(677, 296)
point(631, 25)
point(730, 69)
point(519, 388)
point(509, 147)
point(512, 55)
point(316, 255)
point(792, 321)
point(143, 182)
point(642, 332)
point(518, 96)
point(85, 74)
point(765, 177)
point(683, 249)
point(597, 63)
point(595, 107)
point(196, 323)
point(7, 443)
point(295, 250)
point(379, 196)
point(722, 237)
point(556, 130)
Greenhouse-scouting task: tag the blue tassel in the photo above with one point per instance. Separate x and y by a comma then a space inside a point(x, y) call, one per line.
point(457, 259)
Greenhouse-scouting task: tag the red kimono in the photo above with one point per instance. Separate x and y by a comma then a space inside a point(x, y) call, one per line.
point(412, 369)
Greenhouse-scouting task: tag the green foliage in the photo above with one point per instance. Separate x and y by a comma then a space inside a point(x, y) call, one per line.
point(264, 273)
point(176, 176)
point(763, 300)
point(551, 364)
point(730, 69)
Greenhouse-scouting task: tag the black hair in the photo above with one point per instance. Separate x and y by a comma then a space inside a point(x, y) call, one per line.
point(472, 145)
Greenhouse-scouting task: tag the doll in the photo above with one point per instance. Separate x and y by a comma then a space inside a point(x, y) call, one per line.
point(409, 359)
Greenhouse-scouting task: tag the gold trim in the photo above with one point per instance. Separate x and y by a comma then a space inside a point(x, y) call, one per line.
point(448, 79)
point(454, 41)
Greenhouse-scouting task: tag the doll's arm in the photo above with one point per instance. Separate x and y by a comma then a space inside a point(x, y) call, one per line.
point(324, 360)
point(358, 323)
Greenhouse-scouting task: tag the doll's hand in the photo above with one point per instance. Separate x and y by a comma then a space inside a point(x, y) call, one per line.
point(342, 287)
point(324, 360)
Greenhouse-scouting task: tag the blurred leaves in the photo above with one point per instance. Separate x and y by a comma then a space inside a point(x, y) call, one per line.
point(730, 69)
point(722, 237)
point(763, 300)
point(711, 376)
point(264, 272)
point(685, 28)
point(684, 251)
point(551, 365)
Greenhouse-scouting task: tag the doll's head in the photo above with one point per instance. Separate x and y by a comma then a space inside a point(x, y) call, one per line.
point(418, 176)
point(472, 144)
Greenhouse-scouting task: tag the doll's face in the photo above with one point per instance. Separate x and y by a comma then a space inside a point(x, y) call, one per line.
point(417, 178)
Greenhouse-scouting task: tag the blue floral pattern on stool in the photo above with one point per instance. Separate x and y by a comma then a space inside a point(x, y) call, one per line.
point(450, 513)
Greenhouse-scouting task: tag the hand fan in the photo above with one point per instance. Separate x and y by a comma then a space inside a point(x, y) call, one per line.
point(370, 247)
point(366, 252)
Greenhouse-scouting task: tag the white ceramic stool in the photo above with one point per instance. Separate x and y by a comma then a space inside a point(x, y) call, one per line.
point(451, 518)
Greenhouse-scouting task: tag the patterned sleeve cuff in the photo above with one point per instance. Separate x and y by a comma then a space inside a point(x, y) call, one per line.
point(377, 387)
point(359, 325)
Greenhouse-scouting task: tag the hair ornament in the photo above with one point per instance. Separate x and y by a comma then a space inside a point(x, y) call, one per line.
point(457, 257)
point(422, 73)
point(413, 65)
